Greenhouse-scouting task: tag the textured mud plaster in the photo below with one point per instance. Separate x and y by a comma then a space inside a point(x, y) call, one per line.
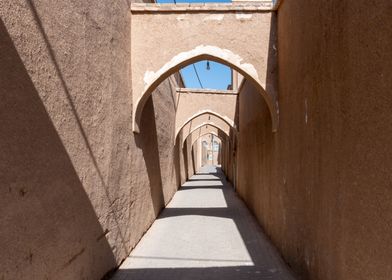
point(196, 149)
point(190, 153)
point(214, 17)
point(202, 119)
point(248, 50)
point(70, 207)
point(226, 55)
point(200, 136)
point(243, 16)
point(150, 78)
point(201, 115)
point(200, 150)
point(181, 17)
point(321, 186)
point(205, 128)
point(154, 158)
point(190, 150)
point(192, 105)
point(217, 134)
point(65, 108)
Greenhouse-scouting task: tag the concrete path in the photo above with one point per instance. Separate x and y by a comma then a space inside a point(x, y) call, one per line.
point(206, 232)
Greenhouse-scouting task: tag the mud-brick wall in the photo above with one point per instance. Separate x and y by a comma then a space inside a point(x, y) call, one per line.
point(321, 186)
point(189, 158)
point(75, 192)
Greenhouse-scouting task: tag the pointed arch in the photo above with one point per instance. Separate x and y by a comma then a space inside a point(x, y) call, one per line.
point(211, 132)
point(213, 53)
point(200, 126)
point(227, 120)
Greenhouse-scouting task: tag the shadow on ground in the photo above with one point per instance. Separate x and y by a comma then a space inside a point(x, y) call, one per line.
point(264, 263)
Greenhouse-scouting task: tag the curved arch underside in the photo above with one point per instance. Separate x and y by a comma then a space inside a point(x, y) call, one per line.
point(192, 104)
point(205, 127)
point(198, 118)
point(153, 79)
point(214, 133)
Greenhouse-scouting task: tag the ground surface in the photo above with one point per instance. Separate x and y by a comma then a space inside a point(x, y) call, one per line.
point(206, 232)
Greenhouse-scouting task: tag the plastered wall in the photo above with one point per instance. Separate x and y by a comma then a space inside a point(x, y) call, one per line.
point(77, 187)
point(211, 38)
point(321, 186)
point(191, 104)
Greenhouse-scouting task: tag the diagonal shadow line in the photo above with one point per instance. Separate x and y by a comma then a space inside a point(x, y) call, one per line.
point(69, 97)
point(178, 101)
point(187, 259)
point(233, 202)
point(190, 126)
point(204, 176)
point(173, 92)
point(199, 188)
point(193, 158)
point(231, 211)
point(203, 173)
point(211, 273)
point(205, 179)
point(219, 212)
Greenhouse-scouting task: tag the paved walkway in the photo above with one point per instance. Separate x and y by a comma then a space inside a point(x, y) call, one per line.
point(206, 232)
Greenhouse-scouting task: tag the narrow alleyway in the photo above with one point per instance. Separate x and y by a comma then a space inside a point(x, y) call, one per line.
point(206, 232)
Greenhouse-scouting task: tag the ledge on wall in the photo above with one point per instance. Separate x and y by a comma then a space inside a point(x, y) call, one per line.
point(244, 6)
point(206, 91)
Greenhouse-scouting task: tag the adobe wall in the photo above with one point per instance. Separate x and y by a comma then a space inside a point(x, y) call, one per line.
point(231, 158)
point(190, 104)
point(203, 119)
point(224, 33)
point(188, 155)
point(321, 186)
point(75, 193)
point(155, 169)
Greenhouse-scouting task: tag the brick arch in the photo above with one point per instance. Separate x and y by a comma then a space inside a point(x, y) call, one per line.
point(213, 53)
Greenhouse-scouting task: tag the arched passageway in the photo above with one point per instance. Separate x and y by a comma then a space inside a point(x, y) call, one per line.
point(250, 48)
point(94, 114)
point(205, 116)
point(204, 53)
point(194, 151)
point(201, 114)
point(205, 128)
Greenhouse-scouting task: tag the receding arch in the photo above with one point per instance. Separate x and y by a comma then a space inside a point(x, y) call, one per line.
point(218, 132)
point(211, 132)
point(213, 53)
point(202, 125)
point(227, 120)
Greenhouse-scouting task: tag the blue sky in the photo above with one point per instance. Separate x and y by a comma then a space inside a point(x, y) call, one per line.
point(218, 77)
